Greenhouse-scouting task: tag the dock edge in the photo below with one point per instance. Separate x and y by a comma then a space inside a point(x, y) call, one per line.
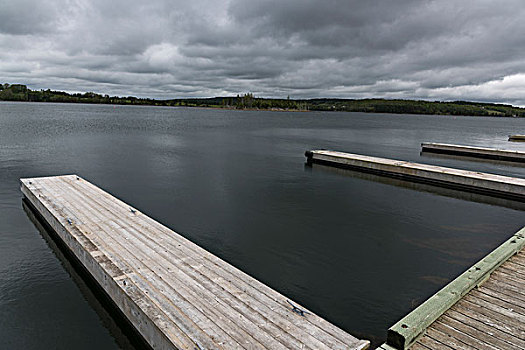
point(407, 330)
point(477, 182)
point(473, 151)
point(101, 273)
point(145, 315)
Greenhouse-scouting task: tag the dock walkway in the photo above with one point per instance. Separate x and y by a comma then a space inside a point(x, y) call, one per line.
point(472, 181)
point(516, 137)
point(175, 294)
point(491, 316)
point(484, 308)
point(474, 151)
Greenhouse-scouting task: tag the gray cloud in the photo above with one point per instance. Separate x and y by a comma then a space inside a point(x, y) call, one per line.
point(28, 17)
point(447, 49)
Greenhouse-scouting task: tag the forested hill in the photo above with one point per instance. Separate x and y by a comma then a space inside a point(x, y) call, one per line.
point(19, 92)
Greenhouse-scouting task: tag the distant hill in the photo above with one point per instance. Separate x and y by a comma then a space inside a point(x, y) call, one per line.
point(19, 92)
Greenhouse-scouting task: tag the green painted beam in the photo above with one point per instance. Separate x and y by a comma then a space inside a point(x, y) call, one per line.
point(407, 330)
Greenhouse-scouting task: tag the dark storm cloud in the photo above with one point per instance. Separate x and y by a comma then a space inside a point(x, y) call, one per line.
point(27, 17)
point(445, 49)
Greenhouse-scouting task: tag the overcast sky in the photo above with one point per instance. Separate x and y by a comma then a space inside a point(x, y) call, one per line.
point(437, 50)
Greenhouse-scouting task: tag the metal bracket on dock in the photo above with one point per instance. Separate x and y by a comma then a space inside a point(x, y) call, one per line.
point(297, 310)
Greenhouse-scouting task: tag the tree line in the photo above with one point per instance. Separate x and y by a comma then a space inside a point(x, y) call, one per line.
point(19, 92)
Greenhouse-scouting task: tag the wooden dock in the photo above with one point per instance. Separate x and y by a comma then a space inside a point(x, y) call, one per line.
point(473, 181)
point(484, 308)
point(476, 152)
point(175, 294)
point(516, 137)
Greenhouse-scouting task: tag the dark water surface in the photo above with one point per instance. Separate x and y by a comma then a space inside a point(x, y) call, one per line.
point(359, 250)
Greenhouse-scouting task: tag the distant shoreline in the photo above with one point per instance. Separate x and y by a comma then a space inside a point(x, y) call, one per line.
point(152, 105)
point(264, 110)
point(248, 102)
point(252, 109)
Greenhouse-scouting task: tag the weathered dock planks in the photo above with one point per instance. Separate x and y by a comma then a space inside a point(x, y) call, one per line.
point(176, 294)
point(484, 183)
point(483, 308)
point(491, 316)
point(476, 152)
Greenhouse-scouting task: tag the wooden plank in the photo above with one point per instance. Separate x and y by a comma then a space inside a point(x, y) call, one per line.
point(419, 346)
point(519, 262)
point(501, 293)
point(493, 318)
point(515, 270)
point(185, 296)
point(432, 343)
point(499, 299)
point(501, 310)
point(503, 281)
point(466, 334)
point(508, 274)
point(445, 337)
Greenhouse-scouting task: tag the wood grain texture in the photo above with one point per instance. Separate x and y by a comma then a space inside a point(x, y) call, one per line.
point(176, 294)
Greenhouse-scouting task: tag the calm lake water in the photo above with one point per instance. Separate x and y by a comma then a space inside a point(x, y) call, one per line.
point(359, 250)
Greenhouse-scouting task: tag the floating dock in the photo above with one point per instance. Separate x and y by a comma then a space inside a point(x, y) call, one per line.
point(484, 308)
point(174, 293)
point(516, 137)
point(476, 152)
point(484, 183)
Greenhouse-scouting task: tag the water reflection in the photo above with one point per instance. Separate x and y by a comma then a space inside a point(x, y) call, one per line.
point(454, 243)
